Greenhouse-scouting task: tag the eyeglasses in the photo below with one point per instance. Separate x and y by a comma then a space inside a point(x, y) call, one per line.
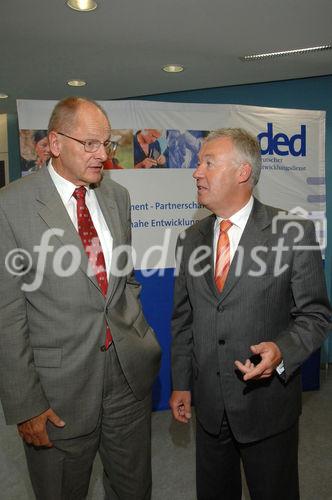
point(91, 145)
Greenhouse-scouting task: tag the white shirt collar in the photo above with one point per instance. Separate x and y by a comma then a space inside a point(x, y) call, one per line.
point(64, 187)
point(241, 217)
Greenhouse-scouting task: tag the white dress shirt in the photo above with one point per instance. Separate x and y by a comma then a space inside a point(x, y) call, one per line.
point(239, 221)
point(66, 189)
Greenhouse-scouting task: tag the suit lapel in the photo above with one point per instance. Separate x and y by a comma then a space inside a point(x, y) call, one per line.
point(54, 214)
point(252, 236)
point(206, 235)
point(111, 214)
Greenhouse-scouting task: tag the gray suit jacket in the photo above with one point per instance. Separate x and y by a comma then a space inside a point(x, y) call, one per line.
point(212, 330)
point(50, 338)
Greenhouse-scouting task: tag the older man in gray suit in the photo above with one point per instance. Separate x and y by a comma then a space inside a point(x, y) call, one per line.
point(77, 356)
point(250, 307)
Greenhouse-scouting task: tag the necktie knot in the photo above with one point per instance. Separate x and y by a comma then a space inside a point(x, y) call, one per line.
point(79, 193)
point(225, 225)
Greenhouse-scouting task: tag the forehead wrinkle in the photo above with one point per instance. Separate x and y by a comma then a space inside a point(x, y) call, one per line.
point(92, 123)
point(93, 131)
point(210, 157)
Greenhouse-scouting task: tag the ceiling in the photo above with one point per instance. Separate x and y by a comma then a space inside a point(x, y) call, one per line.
point(120, 47)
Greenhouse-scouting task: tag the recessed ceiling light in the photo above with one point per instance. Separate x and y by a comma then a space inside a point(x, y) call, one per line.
point(269, 55)
point(173, 68)
point(82, 5)
point(76, 83)
point(3, 96)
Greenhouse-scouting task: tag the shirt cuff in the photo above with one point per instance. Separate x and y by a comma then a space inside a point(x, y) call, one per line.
point(280, 368)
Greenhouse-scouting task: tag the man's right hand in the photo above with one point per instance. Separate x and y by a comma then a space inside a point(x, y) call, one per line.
point(34, 432)
point(180, 404)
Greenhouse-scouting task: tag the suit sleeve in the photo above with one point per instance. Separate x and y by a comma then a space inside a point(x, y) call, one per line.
point(311, 311)
point(182, 344)
point(21, 393)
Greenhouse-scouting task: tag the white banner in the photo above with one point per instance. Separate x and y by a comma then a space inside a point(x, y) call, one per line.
point(164, 196)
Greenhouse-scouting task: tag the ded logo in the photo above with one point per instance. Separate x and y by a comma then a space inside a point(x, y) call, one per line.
point(281, 144)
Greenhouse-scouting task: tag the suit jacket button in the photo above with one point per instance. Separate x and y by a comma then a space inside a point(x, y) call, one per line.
point(220, 308)
point(103, 348)
point(218, 373)
point(221, 342)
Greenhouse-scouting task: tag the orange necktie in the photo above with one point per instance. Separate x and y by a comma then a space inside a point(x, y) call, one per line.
point(223, 255)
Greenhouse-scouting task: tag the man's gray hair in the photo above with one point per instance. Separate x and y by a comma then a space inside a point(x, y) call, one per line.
point(246, 145)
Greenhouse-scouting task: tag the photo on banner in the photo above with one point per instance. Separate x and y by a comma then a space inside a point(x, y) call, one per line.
point(183, 147)
point(143, 148)
point(149, 148)
point(120, 153)
point(35, 151)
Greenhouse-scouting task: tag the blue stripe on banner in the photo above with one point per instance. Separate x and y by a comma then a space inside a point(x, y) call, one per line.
point(316, 198)
point(157, 302)
point(316, 180)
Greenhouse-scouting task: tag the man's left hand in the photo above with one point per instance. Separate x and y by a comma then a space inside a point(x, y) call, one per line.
point(270, 358)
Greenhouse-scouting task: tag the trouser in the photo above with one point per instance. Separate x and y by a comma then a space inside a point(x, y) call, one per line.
point(122, 437)
point(270, 465)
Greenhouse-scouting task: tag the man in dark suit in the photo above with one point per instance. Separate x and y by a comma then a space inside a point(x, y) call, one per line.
point(77, 356)
point(250, 307)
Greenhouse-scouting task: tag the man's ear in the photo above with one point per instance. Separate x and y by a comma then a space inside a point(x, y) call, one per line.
point(54, 143)
point(245, 172)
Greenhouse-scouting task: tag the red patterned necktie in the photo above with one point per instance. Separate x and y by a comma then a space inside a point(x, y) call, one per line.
point(223, 255)
point(92, 246)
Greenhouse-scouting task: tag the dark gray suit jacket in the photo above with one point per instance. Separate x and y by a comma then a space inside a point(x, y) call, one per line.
point(212, 330)
point(50, 338)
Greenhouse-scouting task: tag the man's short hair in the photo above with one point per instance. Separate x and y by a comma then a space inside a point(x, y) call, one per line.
point(65, 112)
point(246, 145)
